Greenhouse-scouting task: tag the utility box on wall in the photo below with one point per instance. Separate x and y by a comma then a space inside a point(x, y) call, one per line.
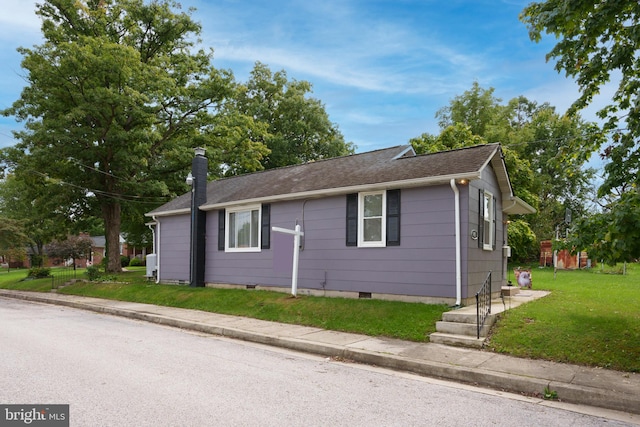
point(151, 265)
point(506, 250)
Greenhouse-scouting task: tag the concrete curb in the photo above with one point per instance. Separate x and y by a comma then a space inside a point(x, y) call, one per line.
point(512, 382)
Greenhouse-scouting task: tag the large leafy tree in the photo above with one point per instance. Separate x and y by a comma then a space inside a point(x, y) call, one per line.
point(599, 41)
point(452, 137)
point(477, 108)
point(612, 235)
point(298, 127)
point(116, 98)
point(13, 240)
point(538, 145)
point(11, 234)
point(46, 208)
point(33, 203)
point(561, 179)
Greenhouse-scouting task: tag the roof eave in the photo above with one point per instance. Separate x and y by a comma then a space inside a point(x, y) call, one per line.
point(502, 174)
point(518, 207)
point(417, 182)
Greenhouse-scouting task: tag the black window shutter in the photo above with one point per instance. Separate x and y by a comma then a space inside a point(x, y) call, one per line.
point(393, 218)
point(352, 219)
point(481, 219)
point(221, 229)
point(266, 226)
point(495, 231)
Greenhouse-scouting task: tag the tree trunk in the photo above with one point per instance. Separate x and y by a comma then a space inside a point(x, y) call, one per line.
point(111, 216)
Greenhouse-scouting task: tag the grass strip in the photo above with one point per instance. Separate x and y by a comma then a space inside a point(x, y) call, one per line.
point(409, 321)
point(591, 318)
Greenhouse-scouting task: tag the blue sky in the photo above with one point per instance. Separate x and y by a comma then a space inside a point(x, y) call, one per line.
point(381, 68)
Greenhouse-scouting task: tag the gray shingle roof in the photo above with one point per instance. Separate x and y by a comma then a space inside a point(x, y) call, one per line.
point(340, 174)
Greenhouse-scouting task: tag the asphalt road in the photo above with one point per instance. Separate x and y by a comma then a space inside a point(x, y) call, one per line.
point(119, 372)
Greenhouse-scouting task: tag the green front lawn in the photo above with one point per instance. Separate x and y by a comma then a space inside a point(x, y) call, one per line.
point(410, 321)
point(590, 318)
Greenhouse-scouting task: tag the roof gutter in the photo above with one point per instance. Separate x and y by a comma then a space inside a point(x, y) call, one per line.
point(518, 207)
point(169, 213)
point(456, 193)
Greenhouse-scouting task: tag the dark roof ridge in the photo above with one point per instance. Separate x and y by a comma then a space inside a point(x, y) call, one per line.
point(469, 147)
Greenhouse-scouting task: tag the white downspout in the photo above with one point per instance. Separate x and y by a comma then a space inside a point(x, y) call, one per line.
point(456, 192)
point(157, 248)
point(153, 238)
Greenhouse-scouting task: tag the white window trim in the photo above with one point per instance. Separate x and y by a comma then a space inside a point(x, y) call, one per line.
point(488, 246)
point(227, 228)
point(383, 232)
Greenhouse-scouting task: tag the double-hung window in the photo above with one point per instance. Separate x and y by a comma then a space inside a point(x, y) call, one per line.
point(371, 218)
point(487, 221)
point(243, 229)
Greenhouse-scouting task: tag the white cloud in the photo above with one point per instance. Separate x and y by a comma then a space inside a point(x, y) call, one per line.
point(18, 18)
point(342, 46)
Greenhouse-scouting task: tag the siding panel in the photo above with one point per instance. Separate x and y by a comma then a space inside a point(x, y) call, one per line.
point(478, 262)
point(175, 247)
point(423, 265)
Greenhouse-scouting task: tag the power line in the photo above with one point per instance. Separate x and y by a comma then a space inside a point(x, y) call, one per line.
point(94, 169)
point(116, 196)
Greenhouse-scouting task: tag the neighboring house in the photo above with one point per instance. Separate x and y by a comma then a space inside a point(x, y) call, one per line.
point(563, 258)
point(383, 224)
point(98, 252)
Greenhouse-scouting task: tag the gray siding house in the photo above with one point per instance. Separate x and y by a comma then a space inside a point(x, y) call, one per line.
point(383, 224)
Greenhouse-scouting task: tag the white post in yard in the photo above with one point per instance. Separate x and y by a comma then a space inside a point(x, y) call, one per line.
point(296, 254)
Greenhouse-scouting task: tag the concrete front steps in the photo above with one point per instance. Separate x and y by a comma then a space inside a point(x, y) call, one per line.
point(458, 328)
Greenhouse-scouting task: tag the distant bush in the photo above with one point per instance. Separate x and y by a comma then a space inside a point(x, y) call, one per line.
point(39, 272)
point(124, 261)
point(92, 272)
point(135, 262)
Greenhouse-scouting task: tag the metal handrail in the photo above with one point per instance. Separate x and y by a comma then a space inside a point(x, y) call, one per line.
point(62, 276)
point(483, 303)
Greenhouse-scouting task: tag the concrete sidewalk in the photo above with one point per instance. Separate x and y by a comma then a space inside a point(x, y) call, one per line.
point(574, 384)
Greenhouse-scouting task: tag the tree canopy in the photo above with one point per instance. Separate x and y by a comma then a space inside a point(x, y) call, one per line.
point(45, 208)
point(538, 146)
point(117, 97)
point(298, 127)
point(112, 94)
point(11, 234)
point(599, 43)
